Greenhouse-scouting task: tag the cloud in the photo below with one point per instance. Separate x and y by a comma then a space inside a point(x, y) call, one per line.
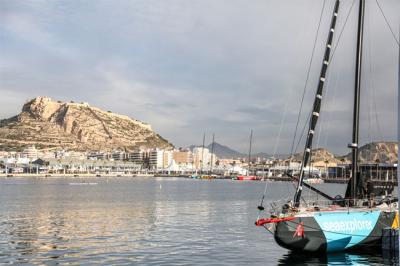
point(219, 66)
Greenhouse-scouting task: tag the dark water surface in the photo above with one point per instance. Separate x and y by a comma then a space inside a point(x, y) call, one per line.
point(144, 221)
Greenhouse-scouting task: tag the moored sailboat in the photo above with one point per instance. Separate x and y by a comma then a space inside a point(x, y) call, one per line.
point(334, 224)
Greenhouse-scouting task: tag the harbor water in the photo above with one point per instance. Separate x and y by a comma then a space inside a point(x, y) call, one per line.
point(146, 221)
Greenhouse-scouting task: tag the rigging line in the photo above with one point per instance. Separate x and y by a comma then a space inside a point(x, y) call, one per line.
point(324, 103)
point(378, 126)
point(369, 86)
point(280, 130)
point(374, 109)
point(304, 130)
point(335, 79)
point(333, 53)
point(387, 22)
point(276, 148)
point(307, 78)
point(302, 99)
point(341, 31)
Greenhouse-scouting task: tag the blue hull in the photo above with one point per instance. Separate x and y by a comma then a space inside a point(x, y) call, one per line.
point(334, 231)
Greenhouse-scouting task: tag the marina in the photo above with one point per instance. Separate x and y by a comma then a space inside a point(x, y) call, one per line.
point(261, 132)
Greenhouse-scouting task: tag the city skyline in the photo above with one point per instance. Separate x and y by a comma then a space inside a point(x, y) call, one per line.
point(216, 66)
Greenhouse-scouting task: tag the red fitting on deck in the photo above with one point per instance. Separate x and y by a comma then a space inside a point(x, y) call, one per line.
point(261, 222)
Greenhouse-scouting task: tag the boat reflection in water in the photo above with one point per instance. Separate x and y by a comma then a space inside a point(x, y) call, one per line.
point(378, 258)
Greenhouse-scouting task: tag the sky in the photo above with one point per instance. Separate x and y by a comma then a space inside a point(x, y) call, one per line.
point(215, 66)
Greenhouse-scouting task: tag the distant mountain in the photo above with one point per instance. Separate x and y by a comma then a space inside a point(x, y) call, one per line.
point(225, 152)
point(222, 151)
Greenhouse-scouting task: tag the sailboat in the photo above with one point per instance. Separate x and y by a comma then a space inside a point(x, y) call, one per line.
point(336, 224)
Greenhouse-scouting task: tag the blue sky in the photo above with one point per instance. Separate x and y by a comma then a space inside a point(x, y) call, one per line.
point(189, 66)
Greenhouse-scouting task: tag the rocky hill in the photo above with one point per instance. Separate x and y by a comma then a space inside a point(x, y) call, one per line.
point(77, 126)
point(319, 155)
point(383, 152)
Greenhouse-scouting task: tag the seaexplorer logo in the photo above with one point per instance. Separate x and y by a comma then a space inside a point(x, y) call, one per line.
point(347, 226)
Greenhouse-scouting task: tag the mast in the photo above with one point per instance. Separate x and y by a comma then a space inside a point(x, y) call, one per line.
point(356, 110)
point(316, 105)
point(250, 143)
point(212, 153)
point(398, 125)
point(202, 153)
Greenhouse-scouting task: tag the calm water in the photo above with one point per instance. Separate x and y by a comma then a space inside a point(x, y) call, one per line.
point(144, 221)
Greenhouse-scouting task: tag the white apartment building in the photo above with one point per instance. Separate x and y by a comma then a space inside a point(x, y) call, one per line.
point(137, 156)
point(156, 159)
point(202, 158)
point(118, 155)
point(31, 153)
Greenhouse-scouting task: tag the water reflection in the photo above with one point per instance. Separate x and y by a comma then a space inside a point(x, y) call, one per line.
point(63, 224)
point(141, 221)
point(292, 258)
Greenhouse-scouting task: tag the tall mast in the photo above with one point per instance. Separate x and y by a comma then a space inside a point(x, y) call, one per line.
point(356, 110)
point(212, 153)
point(249, 159)
point(202, 153)
point(398, 124)
point(317, 105)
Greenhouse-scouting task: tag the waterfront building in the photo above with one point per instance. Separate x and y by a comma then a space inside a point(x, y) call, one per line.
point(201, 158)
point(119, 156)
point(46, 154)
point(137, 156)
point(156, 159)
point(168, 159)
point(376, 171)
point(98, 156)
point(74, 166)
point(31, 153)
point(183, 156)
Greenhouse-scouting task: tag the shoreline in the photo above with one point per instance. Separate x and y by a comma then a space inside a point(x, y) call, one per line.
point(71, 175)
point(79, 176)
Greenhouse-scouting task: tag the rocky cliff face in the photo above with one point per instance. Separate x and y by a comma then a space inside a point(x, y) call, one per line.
point(54, 124)
point(381, 152)
point(318, 155)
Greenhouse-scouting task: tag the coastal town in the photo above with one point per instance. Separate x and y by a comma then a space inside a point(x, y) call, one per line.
point(186, 162)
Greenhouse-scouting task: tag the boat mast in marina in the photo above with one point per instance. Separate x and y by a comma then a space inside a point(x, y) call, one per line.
point(356, 222)
point(202, 154)
point(356, 111)
point(212, 154)
point(316, 106)
point(249, 158)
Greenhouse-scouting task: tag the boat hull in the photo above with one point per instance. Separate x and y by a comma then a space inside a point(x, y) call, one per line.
point(334, 231)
